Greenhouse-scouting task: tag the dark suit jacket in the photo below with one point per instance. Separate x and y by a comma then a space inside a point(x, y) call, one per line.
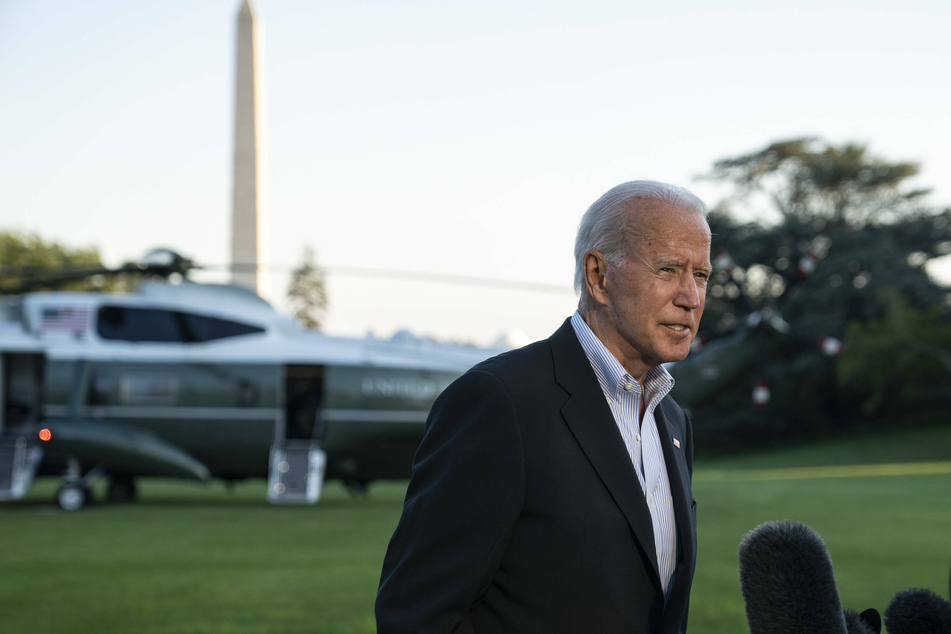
point(524, 513)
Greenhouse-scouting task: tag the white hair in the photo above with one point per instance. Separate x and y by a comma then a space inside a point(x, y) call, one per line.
point(602, 228)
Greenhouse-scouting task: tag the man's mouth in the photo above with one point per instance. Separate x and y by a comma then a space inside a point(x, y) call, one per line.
point(678, 327)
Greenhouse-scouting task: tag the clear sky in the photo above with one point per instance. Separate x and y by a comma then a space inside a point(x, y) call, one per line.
point(459, 138)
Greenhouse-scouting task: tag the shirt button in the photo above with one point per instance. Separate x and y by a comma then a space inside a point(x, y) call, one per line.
point(628, 386)
point(638, 438)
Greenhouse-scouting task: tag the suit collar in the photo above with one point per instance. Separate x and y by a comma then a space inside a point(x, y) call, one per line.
point(610, 372)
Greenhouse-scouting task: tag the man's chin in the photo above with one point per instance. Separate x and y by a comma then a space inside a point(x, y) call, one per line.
point(677, 354)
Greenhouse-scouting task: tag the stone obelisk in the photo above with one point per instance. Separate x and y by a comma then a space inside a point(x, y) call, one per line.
point(249, 210)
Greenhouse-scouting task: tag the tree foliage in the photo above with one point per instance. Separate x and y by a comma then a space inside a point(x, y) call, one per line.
point(898, 357)
point(809, 180)
point(867, 231)
point(27, 256)
point(307, 292)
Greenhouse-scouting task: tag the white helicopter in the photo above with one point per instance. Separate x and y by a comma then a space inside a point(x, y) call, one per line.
point(204, 380)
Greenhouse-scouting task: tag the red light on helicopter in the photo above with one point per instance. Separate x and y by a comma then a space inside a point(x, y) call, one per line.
point(45, 434)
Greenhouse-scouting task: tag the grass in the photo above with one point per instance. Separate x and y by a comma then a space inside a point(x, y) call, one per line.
point(875, 446)
point(187, 558)
point(192, 558)
point(885, 534)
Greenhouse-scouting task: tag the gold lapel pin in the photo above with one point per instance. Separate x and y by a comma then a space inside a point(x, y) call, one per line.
point(676, 443)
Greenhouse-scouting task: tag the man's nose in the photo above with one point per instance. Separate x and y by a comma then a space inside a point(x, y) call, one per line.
point(689, 293)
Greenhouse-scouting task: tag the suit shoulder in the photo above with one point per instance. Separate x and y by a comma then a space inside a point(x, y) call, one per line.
point(515, 363)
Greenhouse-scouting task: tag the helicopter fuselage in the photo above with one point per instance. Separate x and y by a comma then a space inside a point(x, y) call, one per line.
point(195, 380)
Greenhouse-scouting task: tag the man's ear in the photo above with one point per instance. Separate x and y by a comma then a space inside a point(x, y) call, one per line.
point(595, 270)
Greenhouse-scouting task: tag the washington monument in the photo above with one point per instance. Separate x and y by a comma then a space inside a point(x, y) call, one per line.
point(249, 211)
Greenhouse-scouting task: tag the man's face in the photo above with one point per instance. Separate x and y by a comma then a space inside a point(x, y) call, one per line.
point(655, 298)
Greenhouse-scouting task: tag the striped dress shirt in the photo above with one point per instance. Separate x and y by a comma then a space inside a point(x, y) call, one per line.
point(624, 396)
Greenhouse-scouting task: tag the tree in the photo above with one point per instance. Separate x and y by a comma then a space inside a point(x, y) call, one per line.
point(902, 356)
point(809, 180)
point(307, 292)
point(26, 257)
point(850, 216)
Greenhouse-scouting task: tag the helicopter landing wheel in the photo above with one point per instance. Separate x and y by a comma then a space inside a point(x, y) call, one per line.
point(72, 497)
point(121, 489)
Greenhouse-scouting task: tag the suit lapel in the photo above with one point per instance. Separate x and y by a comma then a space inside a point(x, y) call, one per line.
point(678, 473)
point(679, 476)
point(590, 420)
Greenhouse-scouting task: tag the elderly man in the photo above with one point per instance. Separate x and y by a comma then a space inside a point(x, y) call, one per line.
point(551, 491)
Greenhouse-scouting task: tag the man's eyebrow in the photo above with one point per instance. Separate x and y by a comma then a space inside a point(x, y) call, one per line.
point(706, 268)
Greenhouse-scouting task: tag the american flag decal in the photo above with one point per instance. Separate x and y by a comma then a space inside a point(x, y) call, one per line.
point(73, 319)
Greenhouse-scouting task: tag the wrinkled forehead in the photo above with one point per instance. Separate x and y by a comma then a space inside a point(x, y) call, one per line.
point(662, 220)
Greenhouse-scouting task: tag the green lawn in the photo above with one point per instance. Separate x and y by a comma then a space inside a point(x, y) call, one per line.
point(193, 558)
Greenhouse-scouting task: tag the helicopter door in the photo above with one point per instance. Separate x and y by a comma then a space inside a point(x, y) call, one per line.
point(21, 378)
point(298, 461)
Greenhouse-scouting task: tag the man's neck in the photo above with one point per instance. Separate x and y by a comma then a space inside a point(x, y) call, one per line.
point(603, 328)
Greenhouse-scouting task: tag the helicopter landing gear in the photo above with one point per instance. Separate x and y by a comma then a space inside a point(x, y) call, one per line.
point(72, 497)
point(121, 488)
point(75, 494)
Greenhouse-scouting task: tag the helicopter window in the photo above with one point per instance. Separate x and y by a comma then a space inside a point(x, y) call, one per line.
point(138, 324)
point(201, 328)
point(162, 326)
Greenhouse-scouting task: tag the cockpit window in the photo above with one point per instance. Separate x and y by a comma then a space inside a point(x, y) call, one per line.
point(124, 323)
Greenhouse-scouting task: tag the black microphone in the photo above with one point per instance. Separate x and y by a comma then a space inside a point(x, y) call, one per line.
point(867, 622)
point(918, 611)
point(787, 581)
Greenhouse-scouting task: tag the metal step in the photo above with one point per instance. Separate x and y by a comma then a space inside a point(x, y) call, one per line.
point(18, 465)
point(296, 473)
